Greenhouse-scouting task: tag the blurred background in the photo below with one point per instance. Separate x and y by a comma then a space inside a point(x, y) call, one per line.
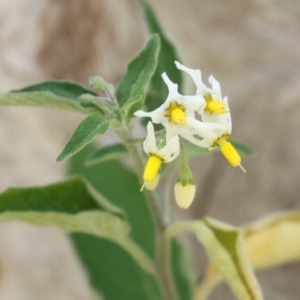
point(253, 49)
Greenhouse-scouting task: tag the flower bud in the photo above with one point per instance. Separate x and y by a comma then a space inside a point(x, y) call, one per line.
point(87, 98)
point(97, 83)
point(185, 187)
point(184, 194)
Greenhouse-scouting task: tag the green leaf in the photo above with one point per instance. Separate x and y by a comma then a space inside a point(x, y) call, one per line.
point(274, 240)
point(113, 272)
point(104, 260)
point(131, 106)
point(121, 186)
point(242, 149)
point(53, 94)
point(226, 249)
point(99, 223)
point(92, 126)
point(111, 152)
point(139, 73)
point(73, 206)
point(70, 196)
point(117, 182)
point(158, 92)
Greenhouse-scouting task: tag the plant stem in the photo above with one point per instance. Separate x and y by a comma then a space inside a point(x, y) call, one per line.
point(162, 261)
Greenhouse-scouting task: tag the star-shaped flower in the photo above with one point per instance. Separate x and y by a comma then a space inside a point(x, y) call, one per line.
point(175, 112)
point(216, 106)
point(163, 153)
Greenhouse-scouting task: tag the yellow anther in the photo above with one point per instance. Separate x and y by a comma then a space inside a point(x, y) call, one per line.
point(216, 107)
point(152, 167)
point(176, 113)
point(178, 116)
point(231, 154)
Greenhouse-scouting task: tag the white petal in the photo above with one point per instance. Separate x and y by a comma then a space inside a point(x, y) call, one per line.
point(171, 150)
point(193, 103)
point(150, 141)
point(157, 116)
point(215, 85)
point(172, 87)
point(205, 143)
point(208, 131)
point(141, 114)
point(229, 121)
point(195, 75)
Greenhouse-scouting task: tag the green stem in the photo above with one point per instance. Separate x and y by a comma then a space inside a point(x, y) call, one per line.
point(162, 261)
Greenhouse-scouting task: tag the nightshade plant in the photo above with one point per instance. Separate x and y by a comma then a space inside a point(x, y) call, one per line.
point(112, 209)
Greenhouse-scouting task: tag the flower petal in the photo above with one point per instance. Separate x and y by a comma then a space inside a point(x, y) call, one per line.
point(150, 141)
point(195, 75)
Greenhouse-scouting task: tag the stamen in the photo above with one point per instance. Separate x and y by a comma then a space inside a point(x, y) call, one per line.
point(176, 113)
point(244, 171)
point(178, 116)
point(142, 188)
point(230, 153)
point(214, 106)
point(152, 167)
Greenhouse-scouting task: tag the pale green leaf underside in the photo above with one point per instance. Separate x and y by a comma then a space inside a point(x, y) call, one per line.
point(139, 73)
point(43, 99)
point(225, 248)
point(99, 223)
point(111, 152)
point(274, 240)
point(92, 126)
point(51, 94)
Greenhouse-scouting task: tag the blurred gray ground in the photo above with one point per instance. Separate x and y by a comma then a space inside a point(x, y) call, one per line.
point(253, 49)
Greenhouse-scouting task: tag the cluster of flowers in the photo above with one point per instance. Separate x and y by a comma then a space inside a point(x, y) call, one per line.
point(177, 114)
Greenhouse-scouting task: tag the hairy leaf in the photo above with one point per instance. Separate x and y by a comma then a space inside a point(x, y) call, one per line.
point(92, 126)
point(157, 93)
point(52, 94)
point(139, 73)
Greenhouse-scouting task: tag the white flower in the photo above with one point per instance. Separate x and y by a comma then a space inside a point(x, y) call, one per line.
point(175, 111)
point(216, 125)
point(158, 155)
point(211, 135)
point(216, 108)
